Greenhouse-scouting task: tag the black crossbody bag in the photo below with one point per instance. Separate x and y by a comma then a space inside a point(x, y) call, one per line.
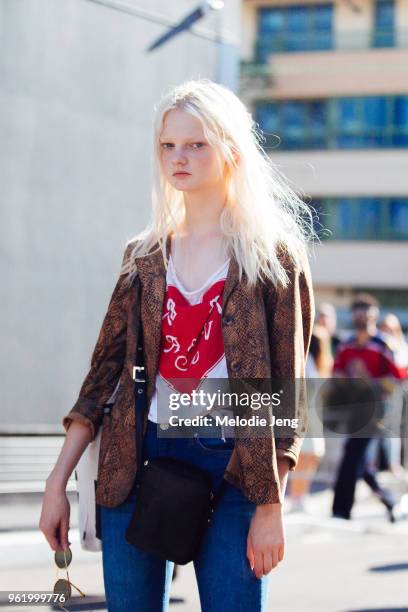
point(175, 500)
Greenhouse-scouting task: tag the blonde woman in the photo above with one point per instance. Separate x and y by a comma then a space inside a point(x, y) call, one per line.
point(226, 247)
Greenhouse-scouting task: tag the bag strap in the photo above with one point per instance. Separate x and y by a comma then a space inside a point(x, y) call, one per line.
point(140, 402)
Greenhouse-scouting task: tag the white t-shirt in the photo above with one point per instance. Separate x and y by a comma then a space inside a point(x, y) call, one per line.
point(191, 339)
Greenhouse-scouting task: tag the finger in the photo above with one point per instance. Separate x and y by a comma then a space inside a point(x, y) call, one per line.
point(51, 539)
point(64, 534)
point(58, 536)
point(281, 552)
point(275, 556)
point(258, 566)
point(250, 555)
point(267, 563)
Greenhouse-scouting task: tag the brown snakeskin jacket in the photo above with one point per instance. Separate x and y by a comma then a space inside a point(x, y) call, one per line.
point(266, 334)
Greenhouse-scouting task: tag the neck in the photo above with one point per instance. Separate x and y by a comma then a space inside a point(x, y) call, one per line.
point(365, 334)
point(202, 212)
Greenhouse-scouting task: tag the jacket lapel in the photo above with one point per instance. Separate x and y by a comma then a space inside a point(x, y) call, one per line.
point(230, 281)
point(152, 274)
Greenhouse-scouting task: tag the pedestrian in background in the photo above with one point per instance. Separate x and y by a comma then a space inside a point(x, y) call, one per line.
point(364, 355)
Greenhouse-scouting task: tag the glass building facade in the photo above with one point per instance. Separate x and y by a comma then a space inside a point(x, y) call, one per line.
point(310, 27)
point(373, 218)
point(358, 122)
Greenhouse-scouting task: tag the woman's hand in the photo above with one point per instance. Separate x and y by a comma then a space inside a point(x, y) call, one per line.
point(54, 519)
point(266, 539)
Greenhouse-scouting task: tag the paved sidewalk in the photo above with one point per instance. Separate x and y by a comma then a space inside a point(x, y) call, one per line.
point(330, 565)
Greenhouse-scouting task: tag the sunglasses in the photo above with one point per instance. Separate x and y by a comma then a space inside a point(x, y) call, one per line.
point(63, 586)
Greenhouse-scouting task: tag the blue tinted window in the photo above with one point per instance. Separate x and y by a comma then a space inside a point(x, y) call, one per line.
point(323, 17)
point(348, 113)
point(271, 20)
point(374, 112)
point(345, 224)
point(294, 28)
point(348, 123)
point(267, 117)
point(400, 138)
point(342, 123)
point(369, 219)
point(322, 218)
point(362, 218)
point(399, 218)
point(297, 28)
point(317, 124)
point(384, 13)
point(384, 23)
point(323, 27)
point(272, 25)
point(297, 18)
point(374, 118)
point(401, 111)
point(293, 117)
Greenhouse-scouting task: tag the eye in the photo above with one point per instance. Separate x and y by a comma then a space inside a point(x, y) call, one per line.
point(165, 145)
point(198, 145)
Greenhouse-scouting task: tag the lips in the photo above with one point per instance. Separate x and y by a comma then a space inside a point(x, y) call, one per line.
point(181, 174)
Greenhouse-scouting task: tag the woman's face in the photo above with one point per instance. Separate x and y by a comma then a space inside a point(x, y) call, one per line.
point(189, 161)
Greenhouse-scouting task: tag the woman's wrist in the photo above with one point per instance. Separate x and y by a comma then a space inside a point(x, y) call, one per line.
point(55, 483)
point(266, 509)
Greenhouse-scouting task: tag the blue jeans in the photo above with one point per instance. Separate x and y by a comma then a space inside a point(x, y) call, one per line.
point(136, 581)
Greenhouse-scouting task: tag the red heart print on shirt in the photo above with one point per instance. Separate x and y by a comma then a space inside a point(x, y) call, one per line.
point(192, 341)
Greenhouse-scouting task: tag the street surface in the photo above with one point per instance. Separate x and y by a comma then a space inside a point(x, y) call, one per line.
point(331, 565)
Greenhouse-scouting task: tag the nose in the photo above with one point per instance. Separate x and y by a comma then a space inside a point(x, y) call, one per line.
point(178, 157)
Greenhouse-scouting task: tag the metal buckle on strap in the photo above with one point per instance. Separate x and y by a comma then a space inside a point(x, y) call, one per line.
point(138, 368)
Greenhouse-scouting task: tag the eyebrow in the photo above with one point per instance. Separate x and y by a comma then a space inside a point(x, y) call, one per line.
point(188, 140)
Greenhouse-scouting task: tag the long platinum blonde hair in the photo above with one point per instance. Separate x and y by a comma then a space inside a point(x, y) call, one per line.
point(262, 211)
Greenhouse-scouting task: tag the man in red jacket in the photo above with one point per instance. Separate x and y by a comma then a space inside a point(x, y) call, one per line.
point(364, 355)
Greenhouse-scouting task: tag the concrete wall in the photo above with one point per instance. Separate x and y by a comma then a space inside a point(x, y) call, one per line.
point(340, 73)
point(347, 173)
point(353, 28)
point(76, 102)
point(374, 264)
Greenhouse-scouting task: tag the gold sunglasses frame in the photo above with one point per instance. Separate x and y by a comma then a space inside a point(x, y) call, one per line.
point(65, 581)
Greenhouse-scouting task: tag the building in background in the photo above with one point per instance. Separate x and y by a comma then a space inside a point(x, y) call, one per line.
point(328, 84)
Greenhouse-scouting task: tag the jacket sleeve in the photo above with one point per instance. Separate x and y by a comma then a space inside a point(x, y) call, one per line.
point(291, 313)
point(107, 361)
